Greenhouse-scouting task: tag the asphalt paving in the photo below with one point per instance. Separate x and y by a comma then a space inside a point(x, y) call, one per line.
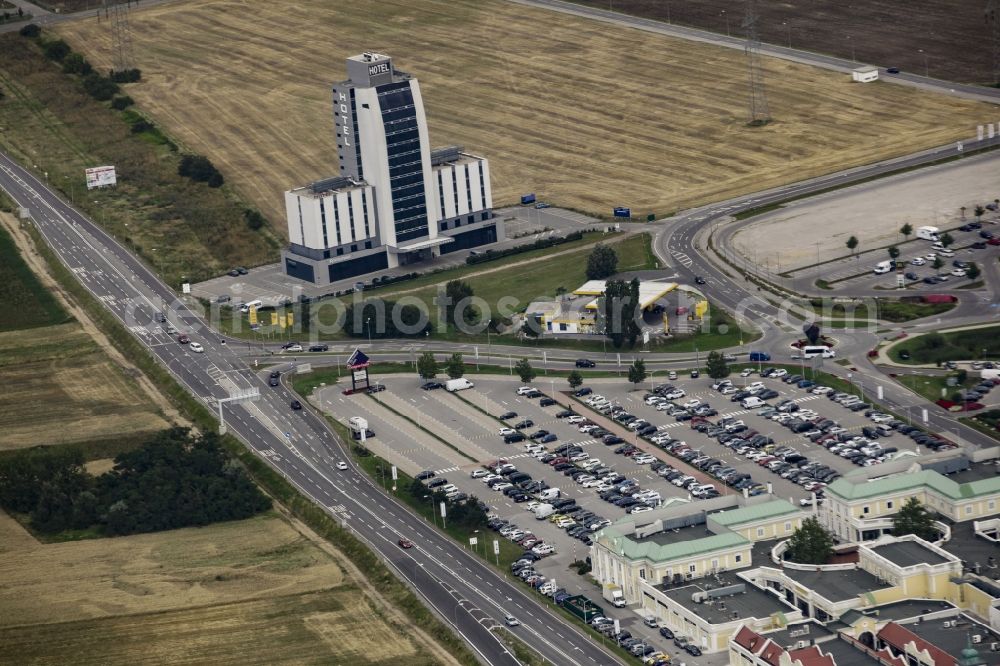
point(468, 594)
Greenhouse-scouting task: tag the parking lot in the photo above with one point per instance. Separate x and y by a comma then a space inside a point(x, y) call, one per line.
point(460, 443)
point(917, 256)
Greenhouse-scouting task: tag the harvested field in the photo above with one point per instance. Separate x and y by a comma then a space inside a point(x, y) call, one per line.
point(179, 227)
point(252, 591)
point(588, 117)
point(60, 387)
point(882, 32)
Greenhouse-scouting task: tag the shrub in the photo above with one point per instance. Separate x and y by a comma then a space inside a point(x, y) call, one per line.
point(125, 76)
point(254, 219)
point(31, 31)
point(140, 126)
point(100, 88)
point(122, 103)
point(200, 169)
point(542, 243)
point(57, 50)
point(75, 63)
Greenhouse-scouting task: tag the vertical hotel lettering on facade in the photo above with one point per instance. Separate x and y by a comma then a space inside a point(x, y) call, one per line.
point(395, 201)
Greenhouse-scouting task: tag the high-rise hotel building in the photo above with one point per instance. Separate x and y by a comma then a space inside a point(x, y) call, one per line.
point(395, 201)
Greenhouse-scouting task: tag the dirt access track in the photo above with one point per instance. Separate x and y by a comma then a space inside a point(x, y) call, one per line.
point(586, 115)
point(953, 34)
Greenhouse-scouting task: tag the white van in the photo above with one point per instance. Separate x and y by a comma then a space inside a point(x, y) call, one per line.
point(818, 350)
point(245, 308)
point(458, 384)
point(928, 233)
point(752, 402)
point(882, 267)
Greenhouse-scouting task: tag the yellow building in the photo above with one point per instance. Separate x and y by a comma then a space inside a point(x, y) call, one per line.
point(859, 507)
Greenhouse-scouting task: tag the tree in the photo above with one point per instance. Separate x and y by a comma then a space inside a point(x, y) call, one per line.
point(963, 212)
point(906, 230)
point(575, 379)
point(427, 366)
point(31, 31)
point(455, 367)
point(811, 331)
point(602, 262)
point(938, 263)
point(893, 252)
point(455, 292)
point(637, 371)
point(716, 365)
point(810, 544)
point(525, 371)
point(979, 212)
point(947, 239)
point(852, 243)
point(973, 272)
point(632, 327)
point(914, 518)
point(612, 311)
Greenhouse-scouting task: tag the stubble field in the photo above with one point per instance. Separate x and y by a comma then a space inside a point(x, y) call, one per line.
point(252, 591)
point(59, 386)
point(585, 115)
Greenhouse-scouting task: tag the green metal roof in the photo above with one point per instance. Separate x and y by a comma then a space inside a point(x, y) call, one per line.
point(902, 482)
point(675, 551)
point(753, 514)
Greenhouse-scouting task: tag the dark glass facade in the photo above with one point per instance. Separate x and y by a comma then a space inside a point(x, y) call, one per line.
point(359, 266)
point(406, 175)
point(474, 238)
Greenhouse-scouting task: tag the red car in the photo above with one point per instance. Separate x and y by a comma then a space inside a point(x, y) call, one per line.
point(405, 543)
point(993, 241)
point(183, 339)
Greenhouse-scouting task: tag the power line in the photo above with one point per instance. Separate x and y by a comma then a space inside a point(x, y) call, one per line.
point(759, 112)
point(121, 35)
point(992, 14)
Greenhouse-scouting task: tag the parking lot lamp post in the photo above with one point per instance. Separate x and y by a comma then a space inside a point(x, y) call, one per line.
point(369, 328)
point(430, 499)
point(489, 341)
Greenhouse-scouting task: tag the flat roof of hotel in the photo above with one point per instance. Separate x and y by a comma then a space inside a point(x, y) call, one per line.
point(909, 553)
point(752, 603)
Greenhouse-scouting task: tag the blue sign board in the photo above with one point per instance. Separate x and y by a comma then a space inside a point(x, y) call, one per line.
point(621, 211)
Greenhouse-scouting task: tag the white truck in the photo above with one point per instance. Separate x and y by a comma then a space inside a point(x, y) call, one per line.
point(547, 494)
point(928, 233)
point(614, 594)
point(990, 373)
point(458, 384)
point(543, 511)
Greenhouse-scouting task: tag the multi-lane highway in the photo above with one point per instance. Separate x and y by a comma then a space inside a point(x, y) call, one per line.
point(465, 592)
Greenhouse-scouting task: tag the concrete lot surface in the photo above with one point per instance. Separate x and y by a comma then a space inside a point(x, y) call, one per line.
point(873, 212)
point(465, 427)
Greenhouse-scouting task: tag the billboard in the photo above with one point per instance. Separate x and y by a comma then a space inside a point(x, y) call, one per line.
point(102, 176)
point(622, 211)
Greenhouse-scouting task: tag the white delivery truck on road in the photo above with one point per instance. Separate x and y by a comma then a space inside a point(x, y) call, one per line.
point(928, 233)
point(458, 384)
